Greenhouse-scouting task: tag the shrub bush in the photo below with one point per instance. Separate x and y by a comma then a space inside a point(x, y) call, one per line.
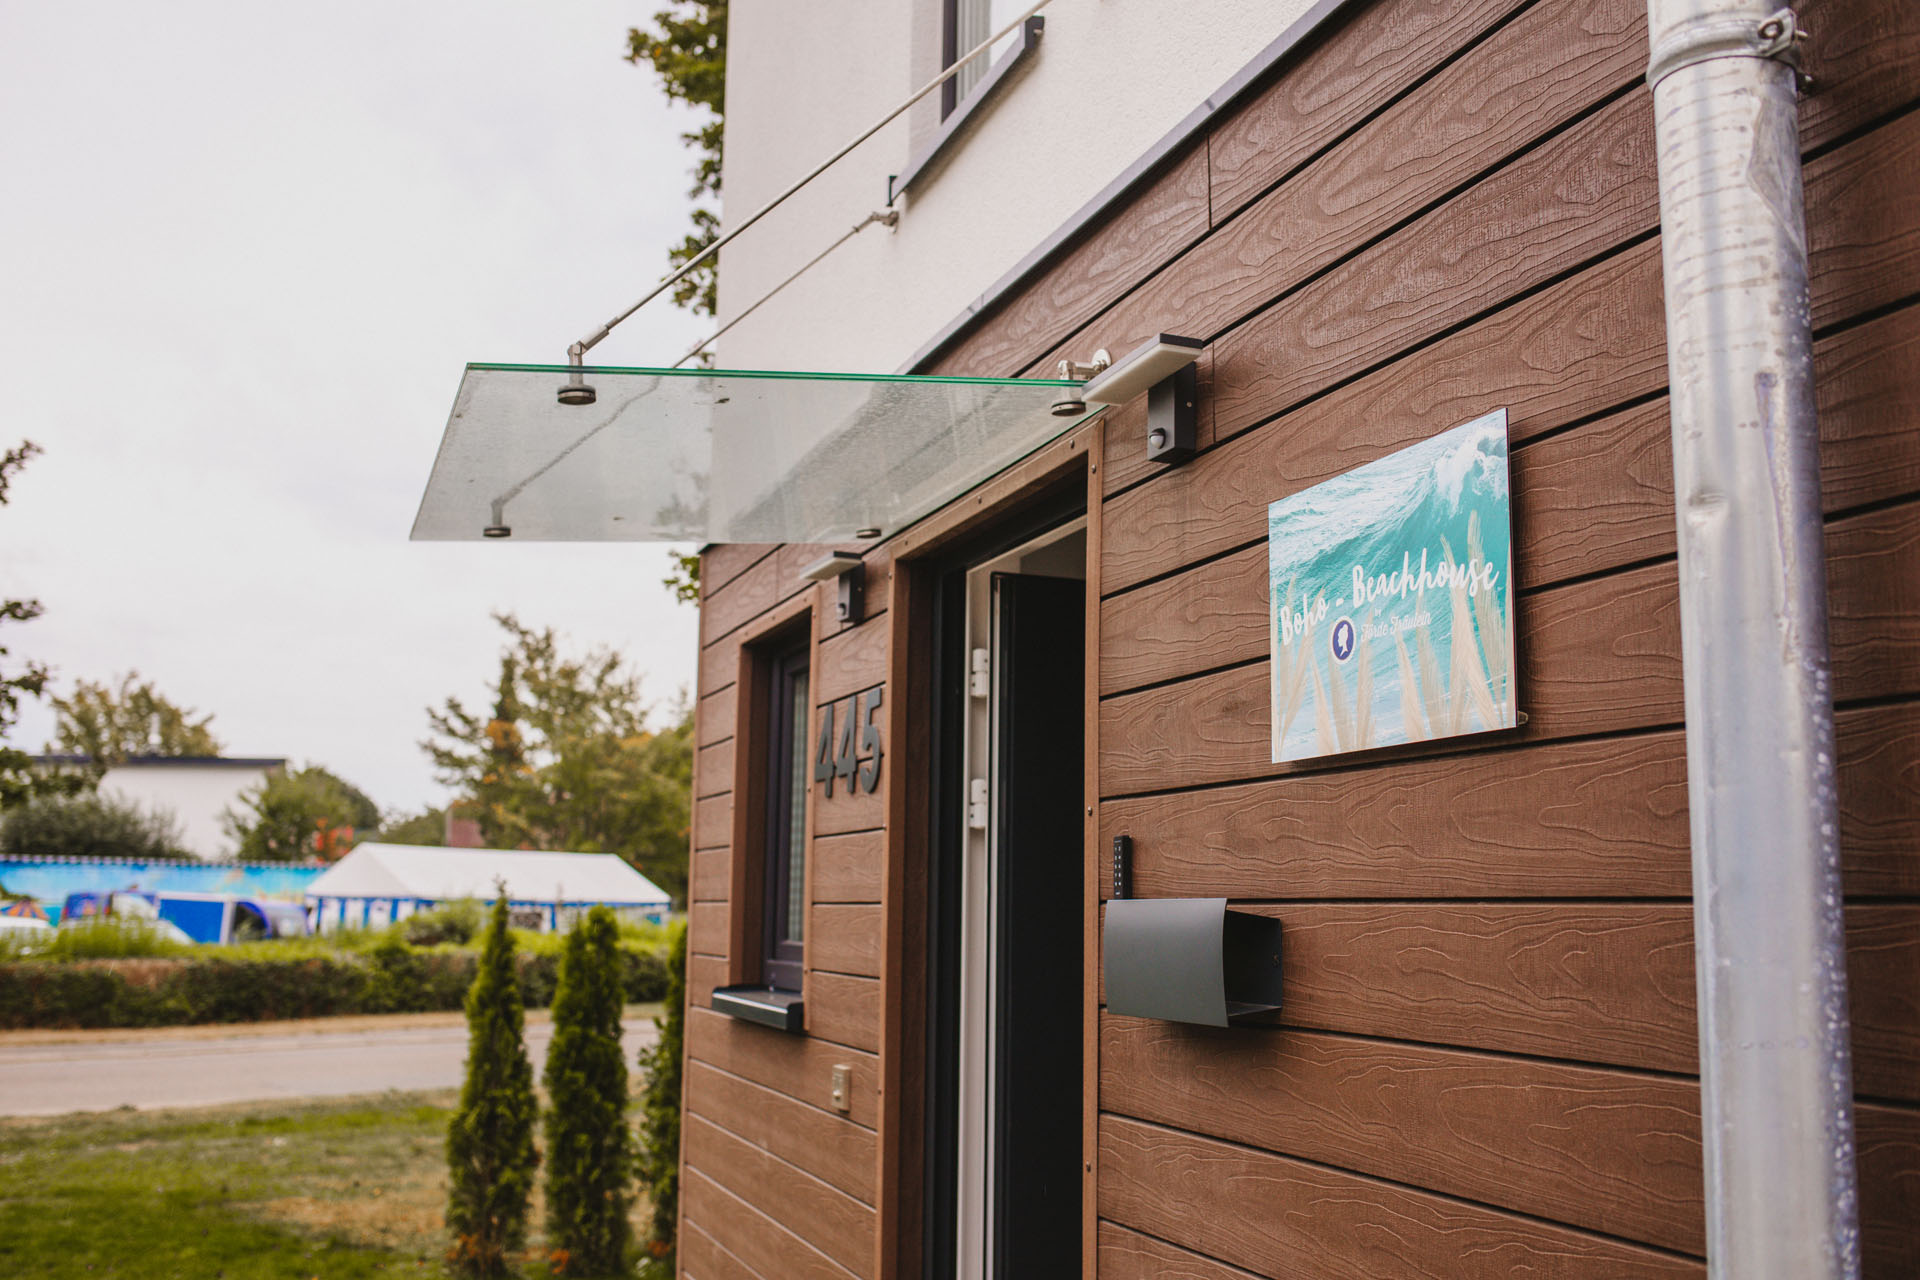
point(158, 993)
point(659, 1147)
point(490, 1155)
point(90, 825)
point(103, 938)
point(459, 922)
point(589, 1155)
point(396, 980)
point(257, 983)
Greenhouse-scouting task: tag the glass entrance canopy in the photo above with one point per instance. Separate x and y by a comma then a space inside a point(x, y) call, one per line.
point(704, 455)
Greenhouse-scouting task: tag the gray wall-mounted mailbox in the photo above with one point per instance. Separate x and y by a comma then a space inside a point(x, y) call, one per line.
point(1190, 960)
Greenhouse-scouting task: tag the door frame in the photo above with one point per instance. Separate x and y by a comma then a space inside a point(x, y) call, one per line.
point(1051, 484)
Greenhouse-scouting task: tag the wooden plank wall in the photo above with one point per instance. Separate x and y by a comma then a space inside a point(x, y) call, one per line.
point(1488, 1062)
point(1487, 1065)
point(776, 1181)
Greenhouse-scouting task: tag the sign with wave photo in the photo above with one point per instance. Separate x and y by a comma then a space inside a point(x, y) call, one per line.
point(1391, 599)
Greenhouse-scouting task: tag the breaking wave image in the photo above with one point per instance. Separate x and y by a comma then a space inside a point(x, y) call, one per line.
point(1390, 599)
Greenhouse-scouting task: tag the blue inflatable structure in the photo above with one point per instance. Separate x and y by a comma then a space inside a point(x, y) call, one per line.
point(272, 887)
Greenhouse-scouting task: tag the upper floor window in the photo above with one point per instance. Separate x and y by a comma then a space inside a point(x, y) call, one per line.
point(968, 22)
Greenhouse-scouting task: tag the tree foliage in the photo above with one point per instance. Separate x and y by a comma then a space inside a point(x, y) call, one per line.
point(293, 816)
point(428, 827)
point(566, 760)
point(683, 576)
point(659, 1146)
point(589, 1147)
point(20, 779)
point(109, 723)
point(490, 1153)
point(687, 48)
point(90, 826)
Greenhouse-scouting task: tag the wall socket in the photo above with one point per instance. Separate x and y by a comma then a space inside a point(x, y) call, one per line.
point(842, 1087)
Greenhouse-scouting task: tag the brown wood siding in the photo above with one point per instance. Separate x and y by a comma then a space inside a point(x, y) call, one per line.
point(1403, 337)
point(1486, 1063)
point(777, 1181)
point(1278, 1216)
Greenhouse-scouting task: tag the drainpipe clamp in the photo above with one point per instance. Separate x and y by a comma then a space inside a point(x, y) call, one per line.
point(1776, 38)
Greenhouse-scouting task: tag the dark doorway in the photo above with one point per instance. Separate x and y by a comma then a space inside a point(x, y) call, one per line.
point(1039, 742)
point(1005, 887)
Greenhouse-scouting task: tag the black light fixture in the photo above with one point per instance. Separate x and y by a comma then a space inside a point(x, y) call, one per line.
point(1163, 368)
point(846, 568)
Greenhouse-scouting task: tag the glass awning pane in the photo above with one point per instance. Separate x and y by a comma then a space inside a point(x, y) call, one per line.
point(703, 455)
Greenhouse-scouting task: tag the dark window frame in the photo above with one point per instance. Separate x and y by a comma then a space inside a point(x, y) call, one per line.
point(949, 36)
point(957, 113)
point(784, 768)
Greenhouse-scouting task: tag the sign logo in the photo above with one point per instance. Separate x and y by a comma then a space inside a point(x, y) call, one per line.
point(1343, 640)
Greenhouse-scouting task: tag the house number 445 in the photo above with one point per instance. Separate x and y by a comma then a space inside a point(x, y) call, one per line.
point(838, 755)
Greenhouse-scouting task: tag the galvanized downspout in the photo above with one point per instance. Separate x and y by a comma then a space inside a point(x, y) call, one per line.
point(1776, 1080)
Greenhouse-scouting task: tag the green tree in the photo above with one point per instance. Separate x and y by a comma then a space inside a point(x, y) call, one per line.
point(589, 1147)
point(659, 1146)
point(89, 826)
point(307, 813)
point(490, 1154)
point(687, 48)
point(567, 760)
point(107, 724)
point(20, 779)
point(428, 827)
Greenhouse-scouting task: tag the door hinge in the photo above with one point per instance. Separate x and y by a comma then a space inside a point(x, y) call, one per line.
point(977, 804)
point(980, 673)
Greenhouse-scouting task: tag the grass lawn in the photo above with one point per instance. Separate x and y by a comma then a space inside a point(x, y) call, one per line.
point(339, 1189)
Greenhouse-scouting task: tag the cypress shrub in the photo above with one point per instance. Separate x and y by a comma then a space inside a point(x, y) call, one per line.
point(659, 1162)
point(490, 1155)
point(589, 1148)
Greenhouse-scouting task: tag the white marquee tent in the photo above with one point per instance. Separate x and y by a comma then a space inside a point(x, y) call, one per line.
point(376, 884)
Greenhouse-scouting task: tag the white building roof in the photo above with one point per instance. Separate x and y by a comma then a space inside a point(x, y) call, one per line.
point(444, 875)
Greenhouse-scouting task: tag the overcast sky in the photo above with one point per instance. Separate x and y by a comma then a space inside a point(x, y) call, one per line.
point(245, 250)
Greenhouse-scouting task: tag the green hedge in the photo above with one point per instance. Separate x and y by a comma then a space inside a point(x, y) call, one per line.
point(392, 978)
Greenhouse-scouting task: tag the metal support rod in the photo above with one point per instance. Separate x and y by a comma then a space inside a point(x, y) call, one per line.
point(576, 353)
point(1776, 1086)
point(888, 218)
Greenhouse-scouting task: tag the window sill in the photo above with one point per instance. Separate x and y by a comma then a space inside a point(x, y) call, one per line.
point(767, 1006)
point(957, 119)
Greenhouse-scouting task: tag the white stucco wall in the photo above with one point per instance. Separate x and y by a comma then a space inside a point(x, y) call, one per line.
point(197, 793)
point(1109, 79)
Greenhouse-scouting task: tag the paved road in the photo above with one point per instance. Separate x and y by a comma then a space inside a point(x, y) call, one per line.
point(196, 1069)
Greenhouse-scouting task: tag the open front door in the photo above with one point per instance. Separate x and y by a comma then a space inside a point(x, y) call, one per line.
point(1038, 732)
point(1005, 913)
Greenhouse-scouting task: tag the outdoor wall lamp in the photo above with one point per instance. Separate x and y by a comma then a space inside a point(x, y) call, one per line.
point(851, 573)
point(1163, 368)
